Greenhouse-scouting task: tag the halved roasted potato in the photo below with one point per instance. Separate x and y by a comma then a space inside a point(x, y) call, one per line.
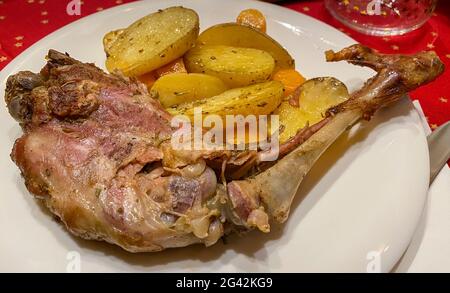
point(308, 104)
point(235, 66)
point(233, 34)
point(110, 38)
point(257, 99)
point(152, 41)
point(177, 88)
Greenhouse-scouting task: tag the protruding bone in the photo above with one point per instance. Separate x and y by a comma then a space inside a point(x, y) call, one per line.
point(397, 74)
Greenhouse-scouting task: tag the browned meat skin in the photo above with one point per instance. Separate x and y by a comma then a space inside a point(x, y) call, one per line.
point(95, 148)
point(397, 75)
point(18, 88)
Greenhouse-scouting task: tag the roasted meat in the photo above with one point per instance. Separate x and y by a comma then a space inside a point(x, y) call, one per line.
point(96, 149)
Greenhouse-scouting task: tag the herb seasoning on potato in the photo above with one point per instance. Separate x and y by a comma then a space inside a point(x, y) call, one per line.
point(152, 41)
point(234, 66)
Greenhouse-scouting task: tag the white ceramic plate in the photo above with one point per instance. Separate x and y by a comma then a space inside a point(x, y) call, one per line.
point(356, 210)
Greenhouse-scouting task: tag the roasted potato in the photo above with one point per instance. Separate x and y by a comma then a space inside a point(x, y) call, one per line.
point(233, 34)
point(307, 104)
point(110, 38)
point(152, 41)
point(257, 99)
point(235, 66)
point(177, 88)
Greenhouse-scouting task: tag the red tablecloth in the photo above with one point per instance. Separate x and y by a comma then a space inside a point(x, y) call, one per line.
point(23, 22)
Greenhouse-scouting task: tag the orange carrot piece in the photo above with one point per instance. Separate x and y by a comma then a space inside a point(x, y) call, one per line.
point(253, 18)
point(148, 79)
point(290, 78)
point(176, 66)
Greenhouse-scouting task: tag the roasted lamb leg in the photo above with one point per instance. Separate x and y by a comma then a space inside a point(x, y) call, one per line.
point(96, 149)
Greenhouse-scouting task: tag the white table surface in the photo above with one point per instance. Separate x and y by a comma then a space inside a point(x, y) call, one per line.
point(429, 250)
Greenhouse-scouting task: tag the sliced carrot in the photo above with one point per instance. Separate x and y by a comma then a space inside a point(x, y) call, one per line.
point(176, 66)
point(290, 78)
point(148, 79)
point(253, 18)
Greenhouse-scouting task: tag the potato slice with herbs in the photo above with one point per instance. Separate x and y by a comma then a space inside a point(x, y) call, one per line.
point(152, 41)
point(313, 98)
point(236, 35)
point(177, 88)
point(110, 38)
point(237, 67)
point(257, 99)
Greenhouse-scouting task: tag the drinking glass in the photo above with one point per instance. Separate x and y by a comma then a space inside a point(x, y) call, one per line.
point(382, 17)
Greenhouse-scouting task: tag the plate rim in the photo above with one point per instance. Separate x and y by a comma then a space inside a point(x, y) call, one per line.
point(22, 57)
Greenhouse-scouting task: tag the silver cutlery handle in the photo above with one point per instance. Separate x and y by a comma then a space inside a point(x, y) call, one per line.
point(439, 146)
